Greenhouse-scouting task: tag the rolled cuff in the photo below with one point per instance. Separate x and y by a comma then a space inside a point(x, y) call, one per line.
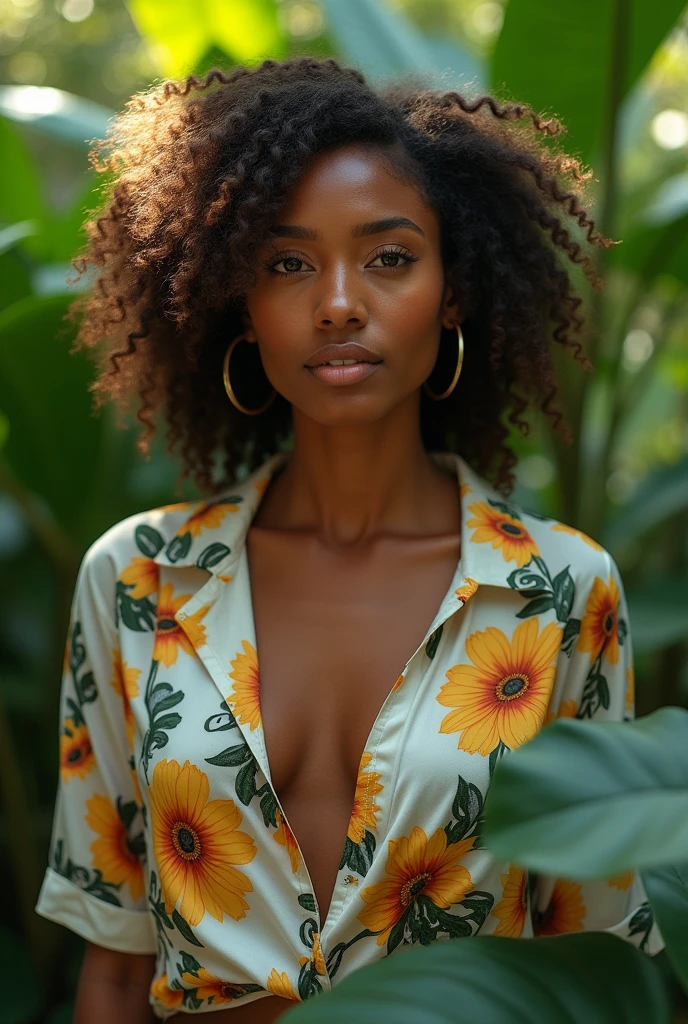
point(128, 931)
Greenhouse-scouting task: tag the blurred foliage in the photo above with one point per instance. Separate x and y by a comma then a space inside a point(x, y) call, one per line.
point(615, 74)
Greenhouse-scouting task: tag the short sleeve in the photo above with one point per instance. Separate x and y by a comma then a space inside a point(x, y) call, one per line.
point(598, 685)
point(94, 881)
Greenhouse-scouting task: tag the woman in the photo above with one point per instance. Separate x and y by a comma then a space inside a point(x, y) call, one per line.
point(331, 292)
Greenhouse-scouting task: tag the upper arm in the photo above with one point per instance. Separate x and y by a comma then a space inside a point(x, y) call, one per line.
point(94, 883)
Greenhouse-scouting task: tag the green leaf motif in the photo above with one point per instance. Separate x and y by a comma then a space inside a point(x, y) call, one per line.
point(148, 540)
point(178, 547)
point(667, 889)
point(434, 642)
point(212, 555)
point(564, 594)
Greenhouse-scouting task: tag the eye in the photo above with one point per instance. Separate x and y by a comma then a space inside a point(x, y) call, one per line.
point(400, 253)
point(289, 259)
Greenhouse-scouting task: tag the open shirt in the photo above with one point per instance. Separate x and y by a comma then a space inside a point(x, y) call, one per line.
point(168, 836)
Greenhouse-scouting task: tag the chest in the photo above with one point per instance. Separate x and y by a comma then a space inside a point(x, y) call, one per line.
point(333, 633)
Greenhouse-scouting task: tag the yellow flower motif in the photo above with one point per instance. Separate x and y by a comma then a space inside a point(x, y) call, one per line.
point(567, 709)
point(245, 692)
point(197, 844)
point(285, 837)
point(124, 683)
point(467, 591)
point(415, 865)
point(280, 985)
point(565, 913)
point(623, 880)
point(208, 986)
point(177, 506)
point(513, 907)
point(630, 690)
point(112, 855)
point(398, 682)
point(162, 993)
point(76, 752)
point(226, 579)
point(600, 626)
point(364, 809)
point(142, 575)
point(502, 531)
point(316, 956)
point(504, 694)
point(578, 533)
point(464, 489)
point(261, 485)
point(169, 634)
point(207, 516)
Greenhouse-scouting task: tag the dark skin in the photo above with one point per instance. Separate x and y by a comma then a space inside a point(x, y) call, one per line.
point(356, 541)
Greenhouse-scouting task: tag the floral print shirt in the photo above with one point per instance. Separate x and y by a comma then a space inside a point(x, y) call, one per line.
point(168, 836)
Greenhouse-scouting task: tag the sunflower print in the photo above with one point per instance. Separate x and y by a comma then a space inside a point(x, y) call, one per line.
point(316, 956)
point(142, 576)
point(630, 690)
point(467, 590)
point(364, 809)
point(76, 752)
point(208, 986)
point(124, 682)
point(600, 626)
point(565, 912)
point(280, 985)
point(197, 845)
point(503, 531)
point(162, 993)
point(112, 855)
point(503, 696)
point(398, 683)
point(245, 694)
point(562, 528)
point(285, 837)
point(623, 880)
point(415, 865)
point(206, 517)
point(513, 907)
point(169, 635)
point(567, 709)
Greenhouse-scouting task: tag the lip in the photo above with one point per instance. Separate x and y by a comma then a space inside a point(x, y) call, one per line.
point(346, 350)
point(338, 375)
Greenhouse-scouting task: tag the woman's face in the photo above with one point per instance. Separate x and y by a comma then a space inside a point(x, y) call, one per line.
point(334, 273)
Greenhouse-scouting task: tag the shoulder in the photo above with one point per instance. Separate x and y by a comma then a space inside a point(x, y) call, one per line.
point(137, 538)
point(562, 551)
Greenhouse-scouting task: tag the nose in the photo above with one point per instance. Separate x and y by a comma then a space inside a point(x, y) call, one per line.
point(340, 301)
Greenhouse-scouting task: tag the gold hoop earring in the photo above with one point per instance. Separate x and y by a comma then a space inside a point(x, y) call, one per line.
point(457, 371)
point(228, 384)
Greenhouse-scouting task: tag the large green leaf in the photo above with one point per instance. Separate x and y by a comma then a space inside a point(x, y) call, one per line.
point(383, 43)
point(53, 441)
point(182, 31)
point(590, 799)
point(55, 112)
point(560, 59)
point(663, 493)
point(574, 979)
point(667, 889)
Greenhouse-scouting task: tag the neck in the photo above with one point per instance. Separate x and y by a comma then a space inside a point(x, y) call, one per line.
point(353, 484)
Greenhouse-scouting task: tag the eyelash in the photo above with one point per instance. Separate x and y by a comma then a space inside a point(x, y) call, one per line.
point(406, 255)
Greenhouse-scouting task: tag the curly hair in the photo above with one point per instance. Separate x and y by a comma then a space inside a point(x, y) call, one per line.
point(192, 184)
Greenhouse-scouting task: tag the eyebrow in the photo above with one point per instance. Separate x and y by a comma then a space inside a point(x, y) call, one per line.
point(371, 227)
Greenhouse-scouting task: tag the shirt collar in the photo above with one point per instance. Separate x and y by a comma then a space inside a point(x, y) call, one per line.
point(210, 534)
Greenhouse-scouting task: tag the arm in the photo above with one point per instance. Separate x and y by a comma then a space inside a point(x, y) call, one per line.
point(598, 685)
point(114, 986)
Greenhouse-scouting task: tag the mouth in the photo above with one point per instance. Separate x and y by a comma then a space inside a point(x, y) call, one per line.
point(343, 371)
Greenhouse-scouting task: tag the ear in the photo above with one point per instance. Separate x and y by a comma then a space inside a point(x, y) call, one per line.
point(452, 314)
point(247, 325)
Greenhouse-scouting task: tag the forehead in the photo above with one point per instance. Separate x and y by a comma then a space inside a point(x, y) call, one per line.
point(353, 177)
